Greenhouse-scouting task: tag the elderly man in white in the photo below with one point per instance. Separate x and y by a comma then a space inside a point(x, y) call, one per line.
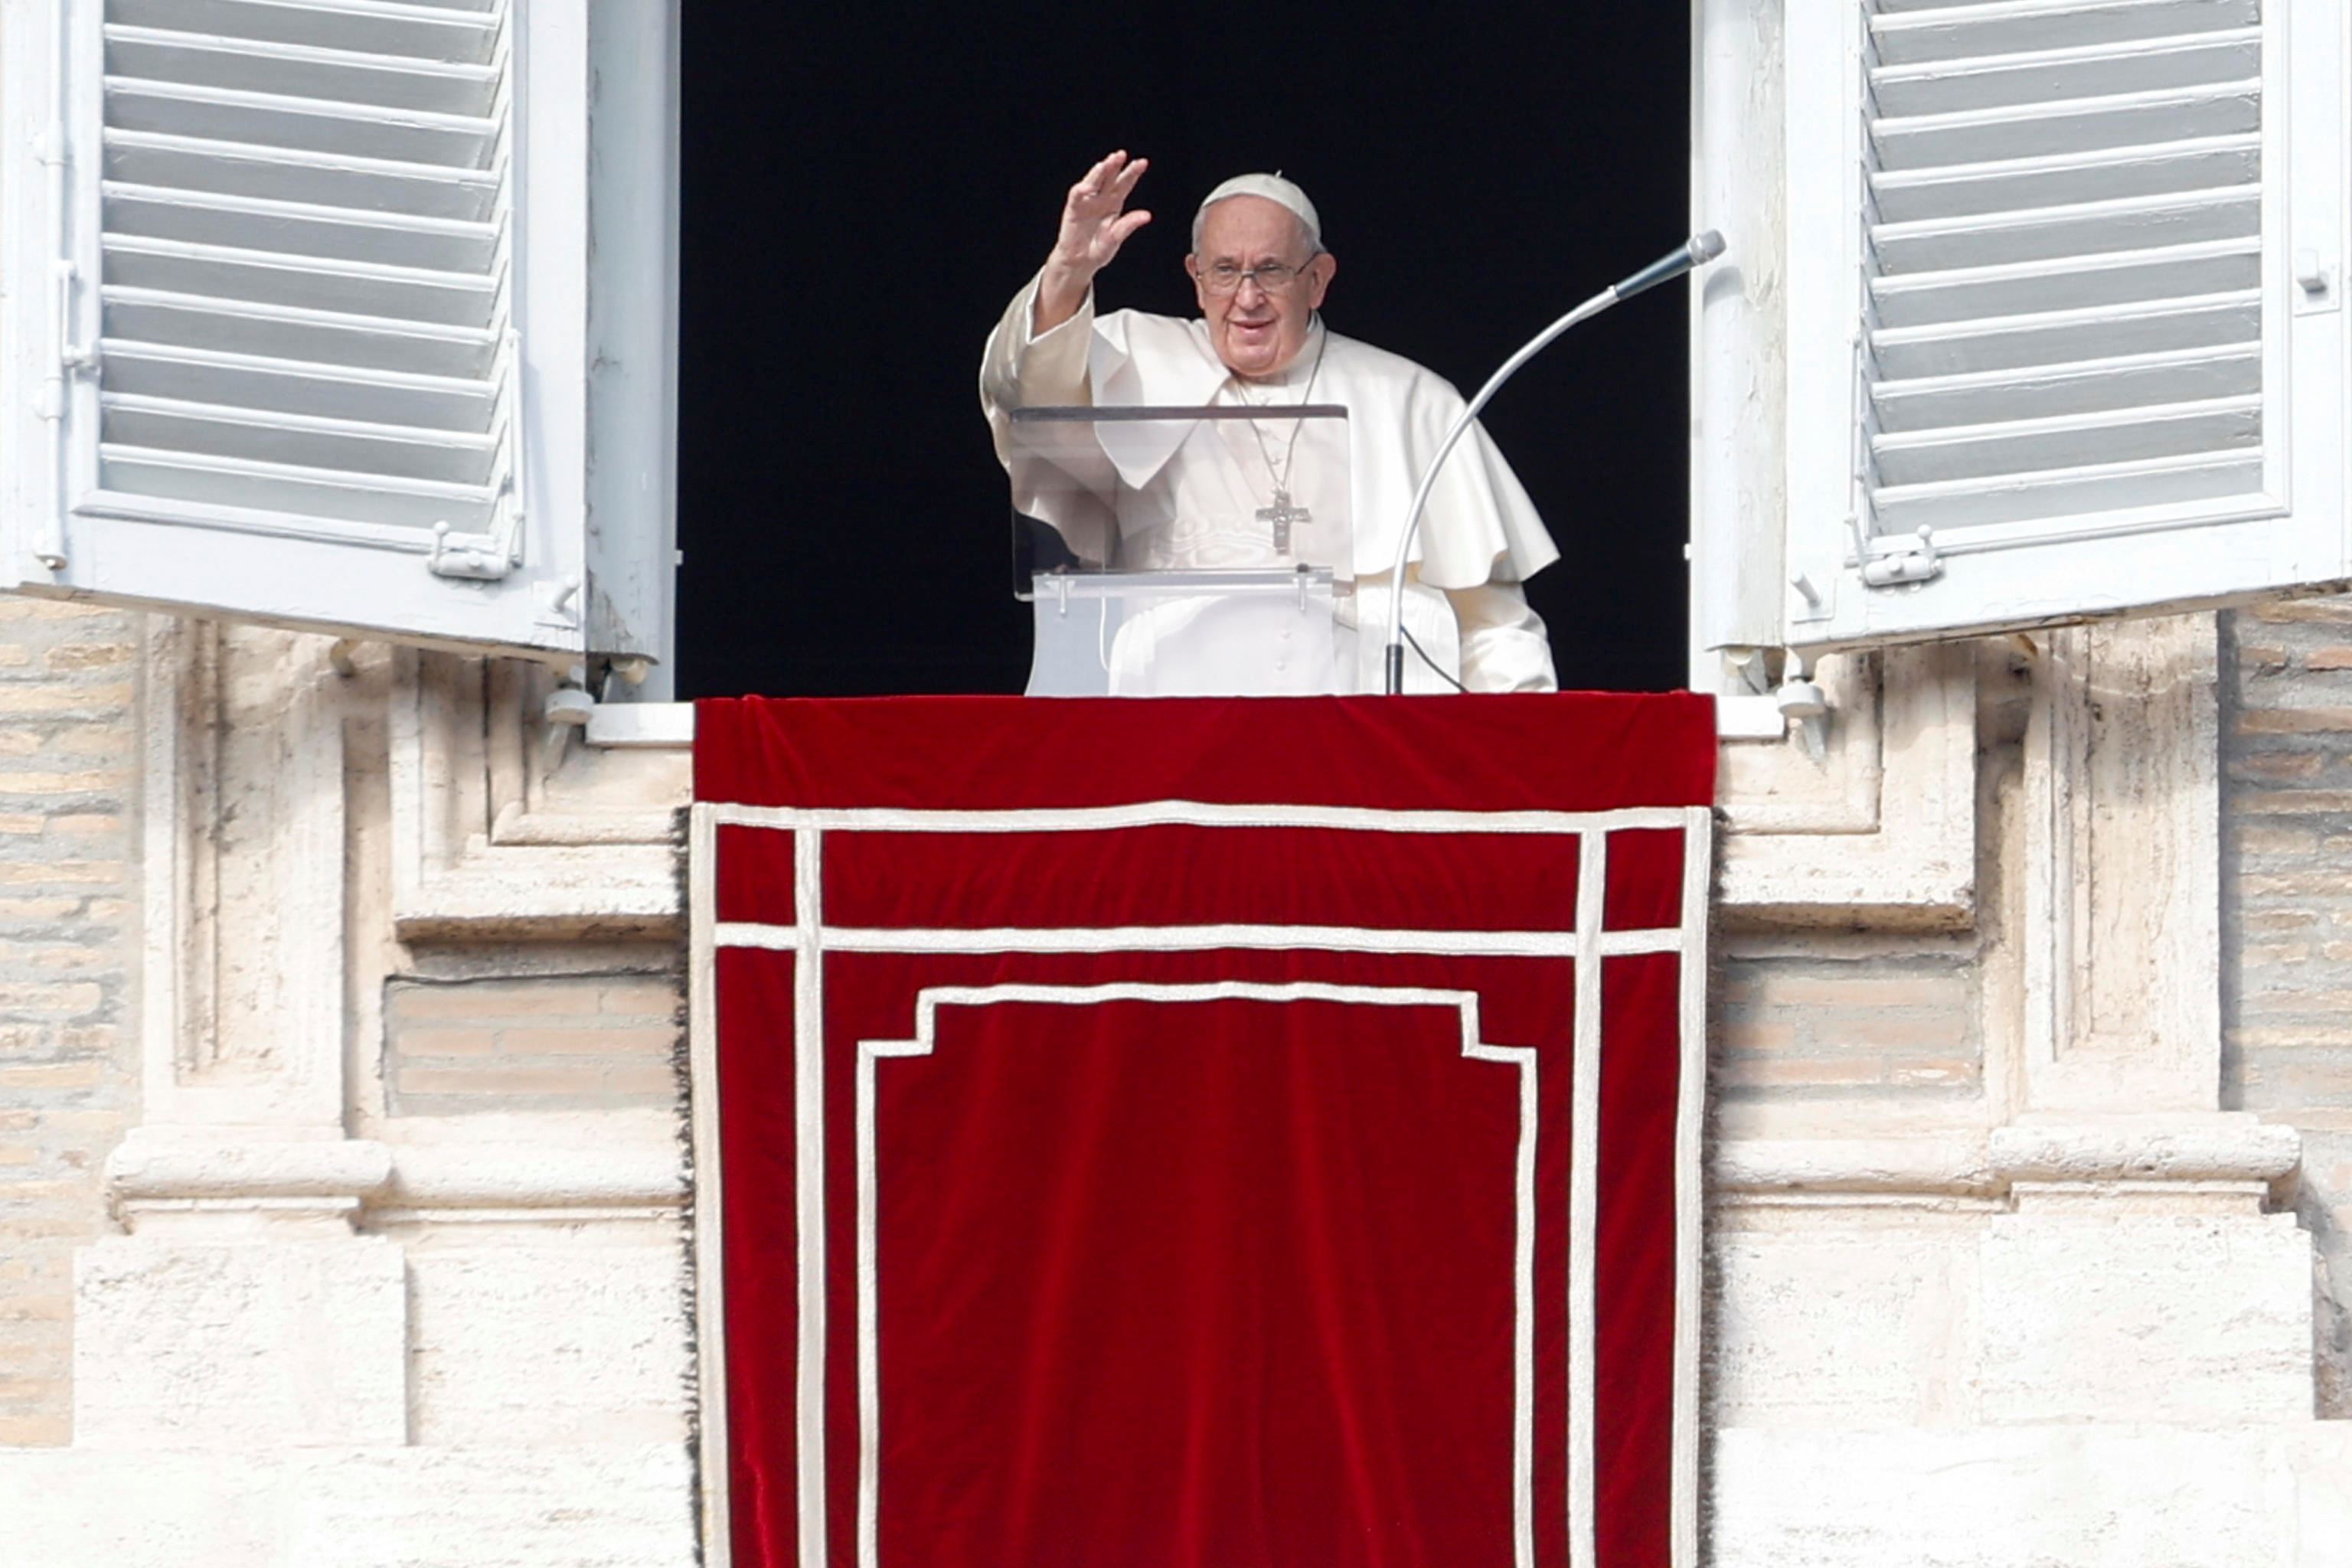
point(1261, 273)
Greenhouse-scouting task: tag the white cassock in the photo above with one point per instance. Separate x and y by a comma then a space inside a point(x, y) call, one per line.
point(1479, 537)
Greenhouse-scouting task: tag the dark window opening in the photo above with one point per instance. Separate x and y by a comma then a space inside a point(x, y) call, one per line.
point(864, 187)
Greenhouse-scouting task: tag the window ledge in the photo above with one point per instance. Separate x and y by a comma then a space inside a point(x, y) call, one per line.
point(642, 726)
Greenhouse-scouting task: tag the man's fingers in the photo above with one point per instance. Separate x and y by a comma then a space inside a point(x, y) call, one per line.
point(1114, 175)
point(1104, 174)
point(1096, 199)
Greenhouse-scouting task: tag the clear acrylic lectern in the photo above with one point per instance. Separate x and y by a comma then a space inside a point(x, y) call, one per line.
point(1191, 552)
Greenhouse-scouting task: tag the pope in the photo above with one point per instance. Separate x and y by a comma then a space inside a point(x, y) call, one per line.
point(1261, 273)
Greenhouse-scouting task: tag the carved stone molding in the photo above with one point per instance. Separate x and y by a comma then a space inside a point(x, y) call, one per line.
point(1880, 833)
point(2221, 1147)
point(243, 844)
point(504, 829)
point(232, 1181)
point(2121, 940)
point(2194, 1157)
point(452, 1167)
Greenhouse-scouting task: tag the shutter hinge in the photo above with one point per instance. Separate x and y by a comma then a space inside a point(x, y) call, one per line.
point(476, 556)
point(1908, 562)
point(50, 149)
point(73, 357)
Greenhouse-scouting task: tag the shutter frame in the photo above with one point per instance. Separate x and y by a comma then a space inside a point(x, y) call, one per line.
point(2085, 480)
point(359, 455)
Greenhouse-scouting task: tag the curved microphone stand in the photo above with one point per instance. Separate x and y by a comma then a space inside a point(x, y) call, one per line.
point(1700, 249)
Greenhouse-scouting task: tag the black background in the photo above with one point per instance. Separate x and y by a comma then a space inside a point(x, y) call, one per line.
point(865, 185)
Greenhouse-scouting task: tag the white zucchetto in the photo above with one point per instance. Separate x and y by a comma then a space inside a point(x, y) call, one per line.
point(1282, 193)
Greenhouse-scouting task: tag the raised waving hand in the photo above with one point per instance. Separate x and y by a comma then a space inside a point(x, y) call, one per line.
point(1095, 224)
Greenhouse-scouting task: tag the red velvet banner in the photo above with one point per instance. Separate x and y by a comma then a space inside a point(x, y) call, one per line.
point(1195, 1134)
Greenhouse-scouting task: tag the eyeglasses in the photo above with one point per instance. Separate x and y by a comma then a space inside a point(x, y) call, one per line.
point(1226, 277)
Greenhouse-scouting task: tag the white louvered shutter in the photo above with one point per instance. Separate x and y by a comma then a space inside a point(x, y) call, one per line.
point(291, 247)
point(2050, 358)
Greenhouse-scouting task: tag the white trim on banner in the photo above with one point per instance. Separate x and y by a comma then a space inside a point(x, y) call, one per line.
point(1584, 1198)
point(808, 1184)
point(927, 1004)
point(1690, 1120)
point(1200, 939)
point(1196, 814)
point(710, 1295)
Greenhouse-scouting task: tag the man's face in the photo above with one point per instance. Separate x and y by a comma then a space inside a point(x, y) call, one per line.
point(1257, 331)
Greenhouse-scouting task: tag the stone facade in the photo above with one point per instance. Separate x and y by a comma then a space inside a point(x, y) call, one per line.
point(349, 1226)
point(2021, 1235)
point(341, 1193)
point(2286, 971)
point(69, 941)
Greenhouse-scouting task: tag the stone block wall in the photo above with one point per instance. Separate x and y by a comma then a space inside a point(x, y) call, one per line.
point(69, 933)
point(2287, 921)
point(1902, 1292)
point(1829, 1019)
point(2057, 1300)
point(305, 1180)
point(599, 1041)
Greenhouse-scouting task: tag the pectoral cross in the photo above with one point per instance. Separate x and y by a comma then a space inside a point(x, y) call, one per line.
point(1280, 516)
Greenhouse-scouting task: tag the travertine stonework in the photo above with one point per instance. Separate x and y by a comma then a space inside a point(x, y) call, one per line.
point(2286, 970)
point(69, 936)
point(570, 1042)
point(341, 1191)
point(1994, 1261)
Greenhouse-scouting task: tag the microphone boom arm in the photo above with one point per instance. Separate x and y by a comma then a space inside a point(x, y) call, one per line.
point(1700, 249)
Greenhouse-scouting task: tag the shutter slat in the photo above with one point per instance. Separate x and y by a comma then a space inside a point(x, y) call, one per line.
point(2022, 445)
point(286, 333)
point(2019, 184)
point(296, 228)
point(300, 440)
point(2073, 125)
point(291, 387)
point(2058, 337)
point(2182, 484)
point(1999, 238)
point(246, 484)
point(2071, 282)
point(377, 26)
point(344, 76)
point(1983, 398)
point(227, 272)
point(2055, 76)
point(358, 130)
point(277, 174)
point(1918, 32)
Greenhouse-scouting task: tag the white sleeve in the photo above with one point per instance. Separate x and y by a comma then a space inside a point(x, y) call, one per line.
point(1021, 368)
point(1504, 645)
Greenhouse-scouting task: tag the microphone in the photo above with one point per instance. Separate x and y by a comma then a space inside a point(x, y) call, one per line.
point(1697, 251)
point(1701, 249)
